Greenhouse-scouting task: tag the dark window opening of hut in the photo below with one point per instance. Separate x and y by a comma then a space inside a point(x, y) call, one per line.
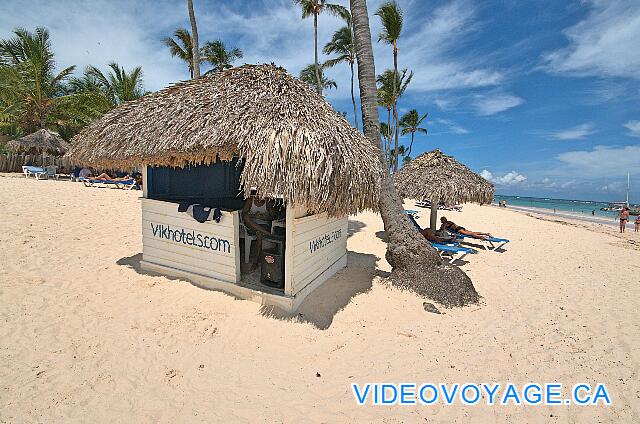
point(215, 185)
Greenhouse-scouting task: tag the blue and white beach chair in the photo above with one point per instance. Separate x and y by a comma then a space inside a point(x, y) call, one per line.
point(488, 243)
point(36, 171)
point(124, 185)
point(451, 251)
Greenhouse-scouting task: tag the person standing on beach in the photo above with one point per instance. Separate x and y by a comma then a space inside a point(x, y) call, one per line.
point(593, 212)
point(637, 222)
point(624, 217)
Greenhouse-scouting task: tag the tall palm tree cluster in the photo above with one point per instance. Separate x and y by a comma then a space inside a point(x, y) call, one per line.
point(33, 95)
point(391, 83)
point(213, 52)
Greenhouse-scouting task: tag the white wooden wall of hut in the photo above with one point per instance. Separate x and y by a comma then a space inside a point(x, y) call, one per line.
point(316, 249)
point(220, 260)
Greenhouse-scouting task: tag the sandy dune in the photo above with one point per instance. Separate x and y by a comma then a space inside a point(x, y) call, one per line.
point(86, 336)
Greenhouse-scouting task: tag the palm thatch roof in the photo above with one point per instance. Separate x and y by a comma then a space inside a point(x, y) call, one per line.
point(440, 178)
point(40, 141)
point(291, 140)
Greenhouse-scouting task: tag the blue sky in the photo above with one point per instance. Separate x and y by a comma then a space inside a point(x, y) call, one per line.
point(541, 97)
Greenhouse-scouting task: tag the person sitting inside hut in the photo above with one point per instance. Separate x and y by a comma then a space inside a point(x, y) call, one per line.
point(257, 216)
point(452, 226)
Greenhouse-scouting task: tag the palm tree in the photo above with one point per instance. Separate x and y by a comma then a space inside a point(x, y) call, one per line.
point(29, 85)
point(195, 46)
point(388, 95)
point(384, 132)
point(308, 75)
point(218, 56)
point(181, 47)
point(385, 99)
point(390, 15)
point(315, 8)
point(119, 85)
point(415, 262)
point(410, 123)
point(342, 44)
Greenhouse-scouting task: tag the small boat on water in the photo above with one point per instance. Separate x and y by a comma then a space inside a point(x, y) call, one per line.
point(617, 206)
point(614, 207)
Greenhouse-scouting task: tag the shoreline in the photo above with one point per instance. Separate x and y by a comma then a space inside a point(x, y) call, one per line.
point(613, 222)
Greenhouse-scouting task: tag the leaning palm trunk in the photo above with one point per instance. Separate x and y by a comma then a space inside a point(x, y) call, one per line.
point(416, 265)
point(194, 42)
point(315, 39)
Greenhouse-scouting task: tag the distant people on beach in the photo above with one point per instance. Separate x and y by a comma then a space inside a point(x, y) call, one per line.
point(637, 223)
point(624, 218)
point(502, 204)
point(593, 212)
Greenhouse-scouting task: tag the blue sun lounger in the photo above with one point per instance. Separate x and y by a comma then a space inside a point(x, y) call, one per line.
point(446, 251)
point(489, 243)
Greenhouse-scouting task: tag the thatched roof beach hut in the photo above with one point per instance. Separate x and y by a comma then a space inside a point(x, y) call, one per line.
point(251, 129)
point(42, 141)
point(291, 141)
point(439, 178)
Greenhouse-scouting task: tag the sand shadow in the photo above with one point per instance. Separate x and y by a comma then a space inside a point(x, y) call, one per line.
point(382, 235)
point(355, 226)
point(326, 301)
point(321, 305)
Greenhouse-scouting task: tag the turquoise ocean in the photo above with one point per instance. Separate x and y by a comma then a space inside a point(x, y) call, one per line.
point(582, 207)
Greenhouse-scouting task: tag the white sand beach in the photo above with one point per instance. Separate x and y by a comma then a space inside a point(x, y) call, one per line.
point(87, 336)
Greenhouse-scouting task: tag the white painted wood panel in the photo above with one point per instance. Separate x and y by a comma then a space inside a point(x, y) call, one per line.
point(315, 244)
point(174, 239)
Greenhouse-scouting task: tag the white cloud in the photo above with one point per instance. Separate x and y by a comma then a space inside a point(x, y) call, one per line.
point(578, 132)
point(510, 178)
point(602, 161)
point(129, 32)
point(490, 104)
point(633, 127)
point(452, 126)
point(102, 31)
point(427, 44)
point(605, 43)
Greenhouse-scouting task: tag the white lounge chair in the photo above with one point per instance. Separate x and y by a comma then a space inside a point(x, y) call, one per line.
point(32, 170)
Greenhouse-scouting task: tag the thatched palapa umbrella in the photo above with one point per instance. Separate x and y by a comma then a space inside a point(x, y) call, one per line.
point(42, 141)
point(292, 142)
point(439, 178)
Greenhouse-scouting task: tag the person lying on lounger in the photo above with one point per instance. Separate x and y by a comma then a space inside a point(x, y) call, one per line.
point(452, 226)
point(429, 235)
point(107, 177)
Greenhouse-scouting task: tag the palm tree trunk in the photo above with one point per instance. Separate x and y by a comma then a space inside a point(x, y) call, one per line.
point(433, 218)
point(388, 147)
point(413, 133)
point(194, 42)
point(395, 105)
point(315, 39)
point(416, 265)
point(353, 99)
